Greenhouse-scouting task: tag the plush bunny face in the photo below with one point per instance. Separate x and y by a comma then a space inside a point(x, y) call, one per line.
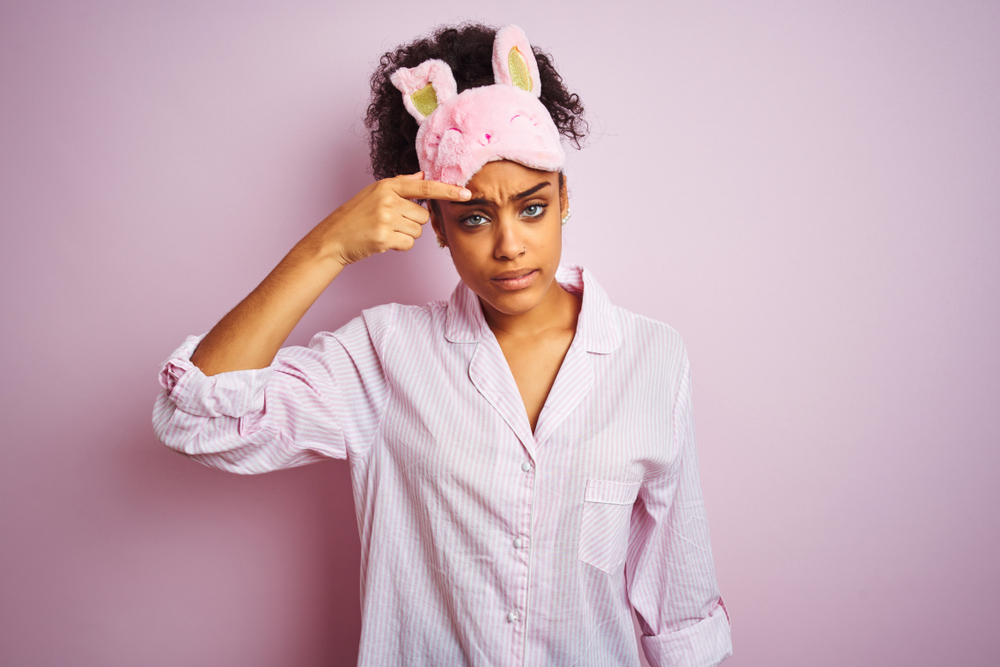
point(506, 121)
point(485, 124)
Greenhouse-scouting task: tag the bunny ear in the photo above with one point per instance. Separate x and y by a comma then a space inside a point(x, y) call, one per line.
point(425, 87)
point(513, 61)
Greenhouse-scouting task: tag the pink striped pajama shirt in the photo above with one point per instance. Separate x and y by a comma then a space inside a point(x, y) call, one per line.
point(484, 543)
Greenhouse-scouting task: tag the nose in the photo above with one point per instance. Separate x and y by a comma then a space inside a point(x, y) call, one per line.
point(509, 243)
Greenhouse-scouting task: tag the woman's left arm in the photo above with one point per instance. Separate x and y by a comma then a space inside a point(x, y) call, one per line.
point(670, 571)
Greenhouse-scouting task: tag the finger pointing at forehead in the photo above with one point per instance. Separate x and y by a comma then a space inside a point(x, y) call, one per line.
point(413, 186)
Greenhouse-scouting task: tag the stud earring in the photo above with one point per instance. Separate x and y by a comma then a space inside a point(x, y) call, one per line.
point(565, 218)
point(441, 243)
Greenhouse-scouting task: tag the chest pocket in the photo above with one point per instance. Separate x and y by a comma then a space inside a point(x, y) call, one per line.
point(607, 510)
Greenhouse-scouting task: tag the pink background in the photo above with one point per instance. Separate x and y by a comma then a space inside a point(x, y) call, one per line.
point(807, 191)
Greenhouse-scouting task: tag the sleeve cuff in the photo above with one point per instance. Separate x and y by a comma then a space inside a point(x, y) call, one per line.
point(233, 394)
point(703, 644)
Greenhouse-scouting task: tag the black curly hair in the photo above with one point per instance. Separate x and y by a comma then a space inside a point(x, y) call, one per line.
point(468, 50)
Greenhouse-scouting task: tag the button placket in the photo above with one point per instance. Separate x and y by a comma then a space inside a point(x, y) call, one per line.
point(519, 540)
point(519, 543)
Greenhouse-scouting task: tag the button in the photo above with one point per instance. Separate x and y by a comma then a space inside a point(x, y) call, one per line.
point(526, 467)
point(517, 542)
point(511, 617)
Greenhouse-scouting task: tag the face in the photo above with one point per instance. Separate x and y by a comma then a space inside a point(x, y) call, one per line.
point(506, 241)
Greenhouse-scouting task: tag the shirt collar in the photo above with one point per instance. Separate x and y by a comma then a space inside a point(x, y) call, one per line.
point(597, 329)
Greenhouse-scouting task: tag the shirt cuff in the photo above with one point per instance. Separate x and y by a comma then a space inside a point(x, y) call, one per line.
point(703, 644)
point(232, 394)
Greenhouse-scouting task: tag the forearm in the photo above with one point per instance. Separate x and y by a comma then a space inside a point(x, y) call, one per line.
point(381, 217)
point(251, 334)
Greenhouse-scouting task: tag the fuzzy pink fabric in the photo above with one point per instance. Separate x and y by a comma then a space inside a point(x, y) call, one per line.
point(507, 38)
point(435, 72)
point(480, 125)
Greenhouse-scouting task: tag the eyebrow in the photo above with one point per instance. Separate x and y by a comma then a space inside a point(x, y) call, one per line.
point(485, 202)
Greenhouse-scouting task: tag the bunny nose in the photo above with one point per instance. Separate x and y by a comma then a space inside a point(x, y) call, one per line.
point(487, 137)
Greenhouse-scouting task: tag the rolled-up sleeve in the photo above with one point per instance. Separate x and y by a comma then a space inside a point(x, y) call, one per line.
point(311, 403)
point(671, 574)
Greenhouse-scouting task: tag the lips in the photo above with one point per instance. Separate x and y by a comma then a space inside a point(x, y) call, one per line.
point(515, 280)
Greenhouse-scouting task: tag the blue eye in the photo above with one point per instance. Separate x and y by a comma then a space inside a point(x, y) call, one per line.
point(534, 210)
point(475, 220)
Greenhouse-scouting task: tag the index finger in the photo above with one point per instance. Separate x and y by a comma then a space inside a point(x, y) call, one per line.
point(414, 189)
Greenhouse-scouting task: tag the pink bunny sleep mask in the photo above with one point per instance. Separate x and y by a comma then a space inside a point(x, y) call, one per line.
point(459, 133)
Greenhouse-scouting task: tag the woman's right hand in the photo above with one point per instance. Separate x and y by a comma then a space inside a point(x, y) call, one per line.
point(380, 217)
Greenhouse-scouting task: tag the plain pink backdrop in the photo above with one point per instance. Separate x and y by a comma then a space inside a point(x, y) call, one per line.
point(809, 192)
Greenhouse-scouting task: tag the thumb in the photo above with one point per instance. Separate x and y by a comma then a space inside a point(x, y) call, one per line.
point(419, 176)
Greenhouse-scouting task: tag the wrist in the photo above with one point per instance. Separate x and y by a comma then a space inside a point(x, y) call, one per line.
point(317, 257)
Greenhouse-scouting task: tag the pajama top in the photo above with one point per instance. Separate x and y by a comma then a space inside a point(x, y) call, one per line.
point(484, 543)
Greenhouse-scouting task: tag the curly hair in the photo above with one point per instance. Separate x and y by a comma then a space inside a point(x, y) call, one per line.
point(468, 50)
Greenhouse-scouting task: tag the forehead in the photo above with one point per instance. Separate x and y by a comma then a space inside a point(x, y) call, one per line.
point(502, 179)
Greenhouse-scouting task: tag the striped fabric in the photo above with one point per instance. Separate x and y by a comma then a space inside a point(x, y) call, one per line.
point(484, 543)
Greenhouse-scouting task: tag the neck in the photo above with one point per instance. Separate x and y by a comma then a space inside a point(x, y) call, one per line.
point(559, 309)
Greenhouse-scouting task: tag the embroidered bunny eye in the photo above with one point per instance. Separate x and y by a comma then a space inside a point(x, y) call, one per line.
point(521, 118)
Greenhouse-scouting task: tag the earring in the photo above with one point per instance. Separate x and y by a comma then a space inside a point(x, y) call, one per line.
point(565, 218)
point(441, 243)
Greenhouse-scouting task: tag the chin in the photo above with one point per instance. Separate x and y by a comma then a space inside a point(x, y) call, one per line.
point(514, 303)
point(515, 306)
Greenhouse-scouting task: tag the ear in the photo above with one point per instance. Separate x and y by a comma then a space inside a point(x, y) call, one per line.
point(513, 61)
point(563, 195)
point(425, 87)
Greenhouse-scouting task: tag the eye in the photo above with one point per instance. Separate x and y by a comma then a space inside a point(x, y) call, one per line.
point(475, 220)
point(534, 210)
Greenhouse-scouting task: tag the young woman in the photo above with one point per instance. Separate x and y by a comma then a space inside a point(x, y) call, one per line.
point(522, 455)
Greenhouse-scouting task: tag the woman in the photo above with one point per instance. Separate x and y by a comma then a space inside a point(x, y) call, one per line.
point(522, 455)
